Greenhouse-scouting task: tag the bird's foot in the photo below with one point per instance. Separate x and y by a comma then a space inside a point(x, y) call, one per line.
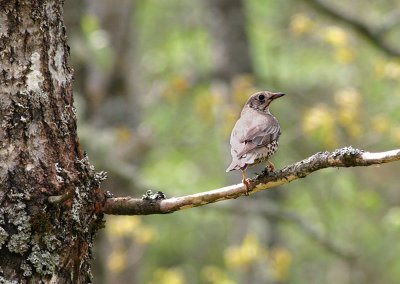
point(270, 167)
point(246, 183)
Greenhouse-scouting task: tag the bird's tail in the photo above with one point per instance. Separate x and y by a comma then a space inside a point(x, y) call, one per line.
point(234, 166)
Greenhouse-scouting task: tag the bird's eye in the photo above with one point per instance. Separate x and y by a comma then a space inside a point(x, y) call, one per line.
point(261, 97)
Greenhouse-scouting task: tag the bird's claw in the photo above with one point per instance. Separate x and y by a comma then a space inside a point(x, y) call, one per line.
point(270, 167)
point(246, 183)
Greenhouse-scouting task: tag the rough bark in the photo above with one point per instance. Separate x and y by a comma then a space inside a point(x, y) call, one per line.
point(39, 152)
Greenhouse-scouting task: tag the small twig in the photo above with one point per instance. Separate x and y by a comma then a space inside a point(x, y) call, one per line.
point(345, 157)
point(55, 199)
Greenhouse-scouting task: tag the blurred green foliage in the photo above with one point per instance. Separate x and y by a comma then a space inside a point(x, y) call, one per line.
point(341, 90)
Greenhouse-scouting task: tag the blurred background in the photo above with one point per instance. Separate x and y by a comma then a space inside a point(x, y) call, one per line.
point(158, 87)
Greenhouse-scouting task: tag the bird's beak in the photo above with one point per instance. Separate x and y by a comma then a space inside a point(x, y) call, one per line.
point(277, 95)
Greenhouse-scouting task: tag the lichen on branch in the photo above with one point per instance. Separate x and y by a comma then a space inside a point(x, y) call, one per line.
point(344, 157)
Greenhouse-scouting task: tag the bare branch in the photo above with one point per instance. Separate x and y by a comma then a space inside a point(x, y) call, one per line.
point(373, 34)
point(344, 157)
point(392, 20)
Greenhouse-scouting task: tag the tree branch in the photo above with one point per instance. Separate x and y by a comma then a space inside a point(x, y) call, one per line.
point(155, 204)
point(373, 34)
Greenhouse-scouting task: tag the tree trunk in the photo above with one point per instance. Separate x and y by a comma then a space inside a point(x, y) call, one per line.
point(110, 95)
point(230, 41)
point(39, 152)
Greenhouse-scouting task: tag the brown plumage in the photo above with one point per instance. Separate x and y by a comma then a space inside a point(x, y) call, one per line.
point(254, 137)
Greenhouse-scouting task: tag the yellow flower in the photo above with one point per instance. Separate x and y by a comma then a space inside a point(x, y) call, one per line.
point(233, 257)
point(244, 255)
point(380, 124)
point(392, 70)
point(175, 88)
point(348, 102)
point(344, 55)
point(215, 275)
point(205, 105)
point(335, 36)
point(144, 235)
point(347, 97)
point(120, 226)
point(387, 69)
point(242, 87)
point(301, 24)
point(319, 122)
point(129, 226)
point(281, 261)
point(168, 276)
point(230, 115)
point(117, 261)
point(179, 84)
point(395, 134)
point(123, 134)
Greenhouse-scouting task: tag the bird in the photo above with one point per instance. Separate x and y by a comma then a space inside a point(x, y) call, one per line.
point(254, 138)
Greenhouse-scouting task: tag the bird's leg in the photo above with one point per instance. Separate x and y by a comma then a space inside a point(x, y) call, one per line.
point(245, 182)
point(270, 167)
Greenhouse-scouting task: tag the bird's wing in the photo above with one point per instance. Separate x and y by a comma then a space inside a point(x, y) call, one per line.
point(253, 132)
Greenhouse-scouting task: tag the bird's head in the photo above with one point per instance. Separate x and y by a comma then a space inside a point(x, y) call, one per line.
point(261, 100)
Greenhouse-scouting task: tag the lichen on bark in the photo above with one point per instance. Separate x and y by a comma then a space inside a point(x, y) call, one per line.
point(39, 152)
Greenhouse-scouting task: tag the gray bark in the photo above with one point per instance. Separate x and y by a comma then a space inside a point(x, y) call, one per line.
point(40, 154)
